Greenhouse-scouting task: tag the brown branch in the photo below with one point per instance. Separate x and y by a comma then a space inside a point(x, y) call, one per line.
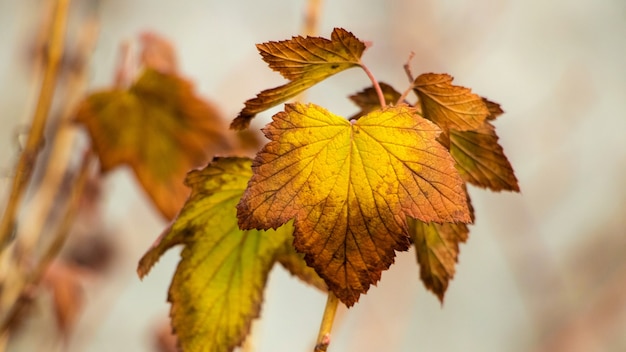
point(53, 249)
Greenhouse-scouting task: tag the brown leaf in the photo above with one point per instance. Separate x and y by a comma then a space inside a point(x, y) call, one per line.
point(305, 62)
point(481, 160)
point(160, 128)
point(437, 249)
point(447, 105)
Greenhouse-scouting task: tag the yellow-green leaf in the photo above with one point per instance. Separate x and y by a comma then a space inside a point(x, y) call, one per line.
point(447, 105)
point(160, 128)
point(305, 62)
point(217, 289)
point(481, 160)
point(350, 187)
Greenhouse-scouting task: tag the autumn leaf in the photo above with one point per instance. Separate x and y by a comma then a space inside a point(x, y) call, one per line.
point(305, 62)
point(160, 128)
point(437, 249)
point(350, 187)
point(217, 289)
point(447, 105)
point(481, 160)
point(368, 101)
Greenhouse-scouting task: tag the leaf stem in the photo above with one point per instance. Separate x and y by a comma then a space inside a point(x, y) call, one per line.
point(34, 143)
point(323, 337)
point(379, 91)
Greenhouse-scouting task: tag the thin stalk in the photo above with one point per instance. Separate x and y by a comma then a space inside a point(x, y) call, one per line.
point(323, 337)
point(379, 91)
point(34, 143)
point(55, 246)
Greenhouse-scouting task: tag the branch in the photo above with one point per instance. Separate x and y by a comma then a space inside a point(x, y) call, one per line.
point(34, 143)
point(323, 337)
point(55, 246)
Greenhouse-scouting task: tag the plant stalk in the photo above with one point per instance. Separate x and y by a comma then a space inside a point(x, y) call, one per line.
point(28, 158)
point(323, 337)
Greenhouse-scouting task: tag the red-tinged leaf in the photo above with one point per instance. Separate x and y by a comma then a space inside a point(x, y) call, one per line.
point(447, 105)
point(305, 62)
point(217, 289)
point(160, 128)
point(350, 187)
point(481, 160)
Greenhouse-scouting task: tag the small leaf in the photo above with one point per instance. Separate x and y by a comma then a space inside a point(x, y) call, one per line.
point(481, 160)
point(447, 105)
point(350, 188)
point(160, 128)
point(367, 99)
point(437, 249)
point(217, 289)
point(305, 62)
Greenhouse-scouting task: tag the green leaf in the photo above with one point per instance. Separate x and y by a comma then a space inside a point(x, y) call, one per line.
point(217, 289)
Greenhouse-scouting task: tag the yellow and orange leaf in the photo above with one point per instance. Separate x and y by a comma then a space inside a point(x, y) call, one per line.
point(447, 105)
point(350, 188)
point(160, 128)
point(305, 62)
point(217, 289)
point(481, 160)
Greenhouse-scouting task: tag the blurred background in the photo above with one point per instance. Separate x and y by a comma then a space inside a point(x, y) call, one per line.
point(543, 270)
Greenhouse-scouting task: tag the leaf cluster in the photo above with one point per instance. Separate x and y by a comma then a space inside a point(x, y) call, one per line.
point(330, 198)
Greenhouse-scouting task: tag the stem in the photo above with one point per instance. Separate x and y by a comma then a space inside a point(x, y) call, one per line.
point(311, 17)
point(379, 91)
point(55, 246)
point(323, 337)
point(34, 143)
point(407, 67)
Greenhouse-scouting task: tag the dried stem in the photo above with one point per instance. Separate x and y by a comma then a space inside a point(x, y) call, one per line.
point(34, 143)
point(323, 337)
point(55, 246)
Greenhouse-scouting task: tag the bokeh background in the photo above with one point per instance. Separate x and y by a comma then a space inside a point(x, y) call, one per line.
point(543, 270)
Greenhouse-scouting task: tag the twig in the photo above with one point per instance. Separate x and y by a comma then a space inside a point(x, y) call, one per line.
point(34, 143)
point(55, 246)
point(323, 337)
